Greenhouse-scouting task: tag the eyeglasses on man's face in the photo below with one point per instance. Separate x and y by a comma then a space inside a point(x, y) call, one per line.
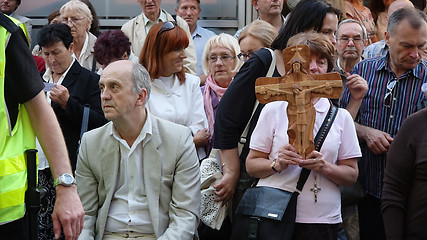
point(389, 95)
point(346, 40)
point(223, 58)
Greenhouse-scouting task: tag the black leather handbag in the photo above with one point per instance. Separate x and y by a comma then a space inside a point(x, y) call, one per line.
point(267, 213)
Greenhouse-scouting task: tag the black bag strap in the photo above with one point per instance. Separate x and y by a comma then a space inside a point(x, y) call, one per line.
point(85, 120)
point(93, 64)
point(318, 142)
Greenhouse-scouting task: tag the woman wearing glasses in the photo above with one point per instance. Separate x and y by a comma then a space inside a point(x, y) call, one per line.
point(175, 94)
point(220, 65)
point(77, 16)
point(255, 36)
point(277, 164)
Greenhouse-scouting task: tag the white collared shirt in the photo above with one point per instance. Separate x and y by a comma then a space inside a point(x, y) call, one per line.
point(149, 23)
point(129, 206)
point(48, 77)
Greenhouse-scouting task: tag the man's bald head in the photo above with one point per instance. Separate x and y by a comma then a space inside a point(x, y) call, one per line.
point(398, 4)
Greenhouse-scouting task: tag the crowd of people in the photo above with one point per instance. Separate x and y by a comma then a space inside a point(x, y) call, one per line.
point(122, 119)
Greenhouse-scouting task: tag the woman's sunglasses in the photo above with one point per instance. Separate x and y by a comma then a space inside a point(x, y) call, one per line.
point(166, 26)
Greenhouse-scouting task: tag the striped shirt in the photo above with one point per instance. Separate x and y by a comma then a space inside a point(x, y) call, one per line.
point(375, 114)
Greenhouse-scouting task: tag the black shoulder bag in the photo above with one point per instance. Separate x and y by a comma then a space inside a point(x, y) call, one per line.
point(269, 213)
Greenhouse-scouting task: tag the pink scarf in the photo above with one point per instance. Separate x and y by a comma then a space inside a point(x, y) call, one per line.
point(219, 91)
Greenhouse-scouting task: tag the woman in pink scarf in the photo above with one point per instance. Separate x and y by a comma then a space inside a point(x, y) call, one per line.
point(220, 63)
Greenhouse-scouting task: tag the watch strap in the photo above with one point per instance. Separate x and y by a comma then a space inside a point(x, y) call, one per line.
point(272, 166)
point(58, 180)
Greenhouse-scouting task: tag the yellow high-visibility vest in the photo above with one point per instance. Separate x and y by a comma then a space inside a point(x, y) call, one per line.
point(13, 144)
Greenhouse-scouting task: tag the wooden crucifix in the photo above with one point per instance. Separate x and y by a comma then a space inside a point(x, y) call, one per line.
point(298, 87)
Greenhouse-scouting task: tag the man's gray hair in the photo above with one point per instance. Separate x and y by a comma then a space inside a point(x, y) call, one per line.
point(364, 32)
point(177, 3)
point(141, 79)
point(415, 17)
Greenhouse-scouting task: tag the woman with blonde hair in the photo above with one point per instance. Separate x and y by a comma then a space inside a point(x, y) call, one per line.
point(220, 64)
point(256, 35)
point(78, 17)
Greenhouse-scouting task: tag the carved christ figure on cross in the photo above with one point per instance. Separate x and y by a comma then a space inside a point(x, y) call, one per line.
point(298, 87)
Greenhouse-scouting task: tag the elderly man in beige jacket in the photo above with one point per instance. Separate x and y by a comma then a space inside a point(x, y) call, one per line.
point(138, 175)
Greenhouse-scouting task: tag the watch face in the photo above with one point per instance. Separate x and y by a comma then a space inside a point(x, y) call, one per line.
point(67, 179)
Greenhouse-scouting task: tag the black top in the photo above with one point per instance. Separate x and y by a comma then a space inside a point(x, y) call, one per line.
point(404, 196)
point(82, 85)
point(236, 105)
point(22, 79)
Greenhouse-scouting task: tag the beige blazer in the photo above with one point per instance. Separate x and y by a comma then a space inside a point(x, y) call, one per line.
point(171, 179)
point(135, 31)
point(89, 54)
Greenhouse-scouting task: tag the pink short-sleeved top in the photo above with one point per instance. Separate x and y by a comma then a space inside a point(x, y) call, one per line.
point(341, 143)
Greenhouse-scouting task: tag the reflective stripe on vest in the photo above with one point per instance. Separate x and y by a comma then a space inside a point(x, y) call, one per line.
point(13, 143)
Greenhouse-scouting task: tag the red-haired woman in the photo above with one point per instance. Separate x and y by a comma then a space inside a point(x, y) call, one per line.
point(175, 94)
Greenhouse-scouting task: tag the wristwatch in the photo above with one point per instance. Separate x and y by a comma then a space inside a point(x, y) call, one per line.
point(65, 179)
point(272, 166)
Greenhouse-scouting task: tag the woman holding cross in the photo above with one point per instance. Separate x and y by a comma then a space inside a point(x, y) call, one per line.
point(277, 163)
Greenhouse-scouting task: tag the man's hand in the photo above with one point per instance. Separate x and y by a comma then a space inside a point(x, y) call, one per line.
point(357, 86)
point(60, 95)
point(378, 141)
point(201, 138)
point(68, 212)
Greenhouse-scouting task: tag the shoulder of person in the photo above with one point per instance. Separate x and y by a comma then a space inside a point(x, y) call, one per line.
point(344, 114)
point(92, 38)
point(191, 79)
point(417, 117)
point(275, 107)
point(423, 63)
point(22, 19)
point(131, 22)
point(208, 32)
point(372, 62)
point(166, 128)
point(83, 72)
point(264, 55)
point(100, 133)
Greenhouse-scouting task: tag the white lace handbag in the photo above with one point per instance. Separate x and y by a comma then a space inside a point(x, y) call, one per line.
point(212, 213)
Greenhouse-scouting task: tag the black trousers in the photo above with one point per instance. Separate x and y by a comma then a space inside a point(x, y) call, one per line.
point(16, 230)
point(370, 220)
point(307, 231)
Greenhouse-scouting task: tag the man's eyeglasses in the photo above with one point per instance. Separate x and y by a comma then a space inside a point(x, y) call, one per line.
point(245, 57)
point(345, 40)
point(166, 26)
point(223, 58)
point(72, 21)
point(389, 95)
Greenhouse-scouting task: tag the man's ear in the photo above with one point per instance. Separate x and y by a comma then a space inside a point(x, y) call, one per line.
point(125, 56)
point(71, 48)
point(142, 97)
point(387, 38)
point(255, 4)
